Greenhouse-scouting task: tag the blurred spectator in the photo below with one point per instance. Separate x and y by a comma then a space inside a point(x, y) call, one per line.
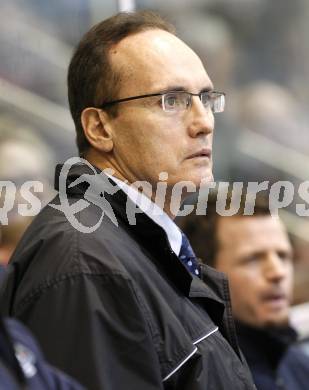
point(22, 365)
point(23, 157)
point(256, 254)
point(23, 154)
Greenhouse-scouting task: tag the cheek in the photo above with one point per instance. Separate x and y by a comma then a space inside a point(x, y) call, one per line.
point(157, 139)
point(243, 286)
point(154, 133)
point(290, 280)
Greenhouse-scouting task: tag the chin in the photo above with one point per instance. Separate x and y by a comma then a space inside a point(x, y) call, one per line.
point(277, 322)
point(204, 180)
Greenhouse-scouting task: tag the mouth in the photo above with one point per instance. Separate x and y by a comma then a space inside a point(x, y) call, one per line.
point(202, 153)
point(276, 300)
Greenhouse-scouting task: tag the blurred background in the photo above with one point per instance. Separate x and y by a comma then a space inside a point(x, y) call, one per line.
point(257, 51)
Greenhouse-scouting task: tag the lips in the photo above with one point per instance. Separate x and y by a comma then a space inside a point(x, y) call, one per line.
point(275, 293)
point(276, 299)
point(205, 152)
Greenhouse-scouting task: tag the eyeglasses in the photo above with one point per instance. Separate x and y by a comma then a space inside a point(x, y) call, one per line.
point(177, 101)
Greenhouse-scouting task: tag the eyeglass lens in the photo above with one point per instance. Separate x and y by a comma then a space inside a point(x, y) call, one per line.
point(175, 101)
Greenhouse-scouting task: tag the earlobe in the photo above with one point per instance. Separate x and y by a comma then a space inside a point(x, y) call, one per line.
point(97, 130)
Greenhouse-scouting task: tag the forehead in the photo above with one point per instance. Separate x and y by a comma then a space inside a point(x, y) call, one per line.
point(245, 234)
point(155, 59)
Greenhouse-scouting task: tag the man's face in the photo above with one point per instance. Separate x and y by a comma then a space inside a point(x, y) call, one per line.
point(256, 255)
point(146, 139)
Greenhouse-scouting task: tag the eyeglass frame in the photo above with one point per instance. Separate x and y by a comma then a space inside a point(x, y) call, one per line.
point(161, 94)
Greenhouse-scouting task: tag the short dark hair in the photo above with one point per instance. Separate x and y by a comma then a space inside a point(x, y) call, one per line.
point(202, 230)
point(91, 79)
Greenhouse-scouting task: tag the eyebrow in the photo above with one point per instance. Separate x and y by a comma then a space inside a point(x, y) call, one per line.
point(183, 89)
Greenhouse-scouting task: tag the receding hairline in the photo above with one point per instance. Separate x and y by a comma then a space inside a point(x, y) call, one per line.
point(129, 47)
point(114, 48)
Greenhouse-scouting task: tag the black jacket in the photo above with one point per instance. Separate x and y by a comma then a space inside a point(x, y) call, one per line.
point(116, 308)
point(275, 360)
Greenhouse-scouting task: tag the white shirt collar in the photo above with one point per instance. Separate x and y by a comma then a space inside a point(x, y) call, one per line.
point(154, 212)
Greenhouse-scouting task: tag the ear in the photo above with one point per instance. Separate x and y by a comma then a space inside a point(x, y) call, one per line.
point(97, 130)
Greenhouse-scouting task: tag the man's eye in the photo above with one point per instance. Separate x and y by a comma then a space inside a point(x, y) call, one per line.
point(171, 101)
point(205, 98)
point(252, 259)
point(285, 256)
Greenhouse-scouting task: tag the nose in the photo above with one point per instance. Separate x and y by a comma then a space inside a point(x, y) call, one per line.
point(200, 119)
point(275, 268)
